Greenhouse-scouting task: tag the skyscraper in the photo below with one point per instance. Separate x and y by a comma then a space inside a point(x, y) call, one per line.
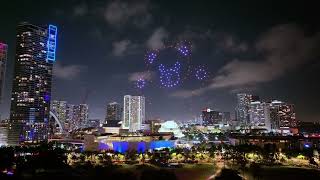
point(3, 60)
point(113, 112)
point(69, 118)
point(283, 116)
point(242, 109)
point(76, 116)
point(274, 115)
point(211, 117)
point(83, 115)
point(287, 116)
point(133, 112)
point(59, 108)
point(226, 117)
point(3, 133)
point(31, 87)
point(259, 115)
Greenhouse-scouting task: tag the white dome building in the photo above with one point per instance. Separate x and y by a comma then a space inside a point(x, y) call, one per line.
point(172, 127)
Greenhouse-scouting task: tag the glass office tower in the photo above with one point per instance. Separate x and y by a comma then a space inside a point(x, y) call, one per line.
point(31, 87)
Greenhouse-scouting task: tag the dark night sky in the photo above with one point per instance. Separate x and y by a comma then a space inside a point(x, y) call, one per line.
point(262, 47)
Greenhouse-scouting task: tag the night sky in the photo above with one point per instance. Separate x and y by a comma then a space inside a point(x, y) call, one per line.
point(261, 47)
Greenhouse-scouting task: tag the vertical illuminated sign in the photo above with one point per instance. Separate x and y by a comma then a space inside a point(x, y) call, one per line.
point(52, 42)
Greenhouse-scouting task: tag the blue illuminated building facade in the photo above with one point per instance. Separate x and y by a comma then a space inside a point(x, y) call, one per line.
point(31, 86)
point(51, 43)
point(140, 147)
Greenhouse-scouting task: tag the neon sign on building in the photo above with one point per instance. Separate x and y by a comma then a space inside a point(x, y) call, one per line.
point(52, 42)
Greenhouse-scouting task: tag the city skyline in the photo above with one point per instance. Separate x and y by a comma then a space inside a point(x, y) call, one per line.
point(100, 55)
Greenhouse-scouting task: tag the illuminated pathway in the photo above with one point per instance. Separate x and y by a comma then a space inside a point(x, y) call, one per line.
point(220, 166)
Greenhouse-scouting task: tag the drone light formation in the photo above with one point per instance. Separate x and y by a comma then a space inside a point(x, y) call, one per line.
point(201, 73)
point(170, 77)
point(151, 57)
point(140, 83)
point(184, 48)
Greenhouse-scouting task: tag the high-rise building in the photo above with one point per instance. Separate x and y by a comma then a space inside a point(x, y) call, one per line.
point(282, 116)
point(3, 60)
point(211, 117)
point(274, 114)
point(259, 114)
point(69, 125)
point(76, 116)
point(3, 133)
point(83, 115)
point(113, 112)
point(242, 109)
point(31, 87)
point(133, 112)
point(59, 108)
point(287, 116)
point(226, 117)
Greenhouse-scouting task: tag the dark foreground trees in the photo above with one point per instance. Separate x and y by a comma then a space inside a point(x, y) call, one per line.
point(227, 174)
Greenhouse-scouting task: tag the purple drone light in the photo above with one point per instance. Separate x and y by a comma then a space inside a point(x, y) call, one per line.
point(151, 56)
point(201, 73)
point(170, 77)
point(140, 83)
point(184, 48)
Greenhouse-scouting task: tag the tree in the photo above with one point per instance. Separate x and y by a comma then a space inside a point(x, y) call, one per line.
point(268, 153)
point(6, 158)
point(131, 155)
point(106, 160)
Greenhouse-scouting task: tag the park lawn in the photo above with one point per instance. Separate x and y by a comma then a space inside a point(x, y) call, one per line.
point(285, 172)
point(195, 171)
point(186, 172)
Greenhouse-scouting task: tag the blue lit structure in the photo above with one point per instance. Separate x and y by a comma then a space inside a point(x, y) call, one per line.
point(161, 144)
point(121, 146)
point(47, 97)
point(103, 146)
point(52, 42)
point(141, 147)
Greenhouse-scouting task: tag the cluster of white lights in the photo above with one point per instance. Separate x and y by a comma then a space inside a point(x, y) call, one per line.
point(170, 77)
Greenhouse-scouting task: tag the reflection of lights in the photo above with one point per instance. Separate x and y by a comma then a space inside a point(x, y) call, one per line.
point(170, 77)
point(306, 145)
point(140, 83)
